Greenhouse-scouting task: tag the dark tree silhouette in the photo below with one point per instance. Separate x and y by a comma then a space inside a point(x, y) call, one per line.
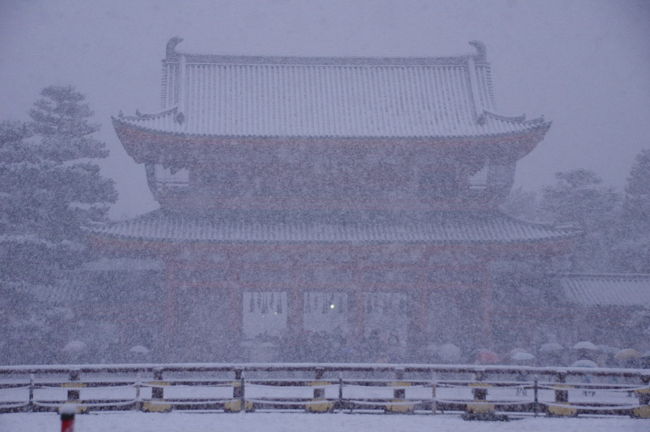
point(580, 199)
point(51, 189)
point(633, 250)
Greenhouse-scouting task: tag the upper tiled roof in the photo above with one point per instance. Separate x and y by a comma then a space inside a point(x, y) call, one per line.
point(439, 227)
point(122, 264)
point(328, 97)
point(607, 289)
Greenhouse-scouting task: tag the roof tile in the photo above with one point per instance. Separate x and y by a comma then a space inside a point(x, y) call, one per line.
point(329, 97)
point(452, 227)
point(607, 290)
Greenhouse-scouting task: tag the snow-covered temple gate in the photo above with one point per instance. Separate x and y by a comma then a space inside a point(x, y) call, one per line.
point(290, 184)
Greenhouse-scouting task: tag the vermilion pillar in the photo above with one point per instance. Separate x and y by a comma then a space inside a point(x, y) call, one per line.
point(420, 299)
point(234, 294)
point(358, 309)
point(487, 309)
point(295, 310)
point(170, 294)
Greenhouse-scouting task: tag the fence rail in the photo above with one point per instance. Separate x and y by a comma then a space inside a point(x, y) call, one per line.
point(406, 388)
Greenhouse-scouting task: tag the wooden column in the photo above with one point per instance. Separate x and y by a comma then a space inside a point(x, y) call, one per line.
point(235, 312)
point(234, 297)
point(295, 309)
point(357, 308)
point(419, 306)
point(420, 301)
point(296, 291)
point(487, 308)
point(170, 314)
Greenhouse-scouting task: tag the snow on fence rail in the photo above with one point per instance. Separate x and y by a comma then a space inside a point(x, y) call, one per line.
point(327, 387)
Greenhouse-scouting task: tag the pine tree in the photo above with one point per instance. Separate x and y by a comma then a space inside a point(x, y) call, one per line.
point(51, 190)
point(50, 187)
point(80, 195)
point(633, 250)
point(579, 198)
point(636, 207)
point(522, 205)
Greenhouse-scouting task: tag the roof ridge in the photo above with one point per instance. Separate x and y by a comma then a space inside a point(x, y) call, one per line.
point(604, 275)
point(147, 116)
point(513, 119)
point(519, 119)
point(173, 56)
point(550, 226)
point(352, 61)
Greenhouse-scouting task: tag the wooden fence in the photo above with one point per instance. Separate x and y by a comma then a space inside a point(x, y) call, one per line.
point(406, 388)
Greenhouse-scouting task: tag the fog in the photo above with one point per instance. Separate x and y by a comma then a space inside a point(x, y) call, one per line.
point(322, 249)
point(583, 64)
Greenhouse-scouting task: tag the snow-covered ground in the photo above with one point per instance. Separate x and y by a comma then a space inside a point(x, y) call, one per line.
point(298, 422)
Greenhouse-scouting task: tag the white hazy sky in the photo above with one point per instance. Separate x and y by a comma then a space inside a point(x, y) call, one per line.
point(584, 64)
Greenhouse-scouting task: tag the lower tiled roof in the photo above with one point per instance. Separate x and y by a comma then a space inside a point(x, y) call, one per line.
point(438, 227)
point(122, 264)
point(607, 289)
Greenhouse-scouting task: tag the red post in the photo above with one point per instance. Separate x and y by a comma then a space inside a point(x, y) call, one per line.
point(359, 311)
point(295, 311)
point(487, 306)
point(67, 413)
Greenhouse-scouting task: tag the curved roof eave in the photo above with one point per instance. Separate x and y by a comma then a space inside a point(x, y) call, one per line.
point(533, 125)
point(497, 228)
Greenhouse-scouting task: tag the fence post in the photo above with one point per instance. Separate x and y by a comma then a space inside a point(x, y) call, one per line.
point(561, 391)
point(643, 411)
point(479, 408)
point(434, 401)
point(242, 394)
point(562, 407)
point(319, 403)
point(138, 395)
point(319, 392)
point(157, 394)
point(536, 397)
point(236, 389)
point(340, 403)
point(30, 403)
point(238, 401)
point(399, 395)
point(73, 387)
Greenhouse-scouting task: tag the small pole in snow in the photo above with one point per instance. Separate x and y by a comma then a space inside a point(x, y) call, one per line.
point(138, 396)
point(74, 393)
point(399, 394)
point(319, 392)
point(31, 392)
point(434, 403)
point(237, 391)
point(157, 391)
point(242, 395)
point(536, 402)
point(67, 412)
point(340, 391)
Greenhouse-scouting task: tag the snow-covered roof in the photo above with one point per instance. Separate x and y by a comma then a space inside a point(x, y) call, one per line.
point(236, 96)
point(63, 294)
point(123, 264)
point(607, 289)
point(440, 227)
point(25, 239)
